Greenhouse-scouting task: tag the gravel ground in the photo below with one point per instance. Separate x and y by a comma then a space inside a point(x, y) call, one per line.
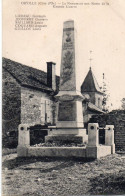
point(61, 177)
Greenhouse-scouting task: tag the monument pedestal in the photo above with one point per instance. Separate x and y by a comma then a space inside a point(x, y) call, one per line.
point(67, 136)
point(69, 126)
point(65, 139)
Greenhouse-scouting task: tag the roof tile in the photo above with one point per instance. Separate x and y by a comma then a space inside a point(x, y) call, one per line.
point(28, 76)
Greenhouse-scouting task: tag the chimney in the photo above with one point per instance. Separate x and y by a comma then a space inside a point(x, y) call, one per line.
point(51, 75)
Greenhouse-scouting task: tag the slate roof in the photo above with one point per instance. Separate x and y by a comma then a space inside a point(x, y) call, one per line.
point(28, 76)
point(93, 107)
point(90, 84)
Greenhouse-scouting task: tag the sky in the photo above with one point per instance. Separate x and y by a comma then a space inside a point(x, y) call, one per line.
point(100, 28)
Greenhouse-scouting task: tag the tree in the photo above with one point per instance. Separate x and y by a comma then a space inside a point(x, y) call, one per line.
point(105, 95)
point(123, 103)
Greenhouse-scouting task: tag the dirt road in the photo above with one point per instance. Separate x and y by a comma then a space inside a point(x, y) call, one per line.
point(52, 177)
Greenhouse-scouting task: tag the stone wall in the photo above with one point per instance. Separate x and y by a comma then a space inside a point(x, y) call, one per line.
point(33, 106)
point(116, 118)
point(11, 102)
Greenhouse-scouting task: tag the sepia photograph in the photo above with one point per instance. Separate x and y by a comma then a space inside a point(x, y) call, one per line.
point(63, 97)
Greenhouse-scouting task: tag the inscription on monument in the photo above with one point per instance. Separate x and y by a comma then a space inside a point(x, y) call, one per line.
point(67, 111)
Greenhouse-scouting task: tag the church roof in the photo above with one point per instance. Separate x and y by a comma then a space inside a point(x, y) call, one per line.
point(90, 84)
point(28, 76)
point(93, 107)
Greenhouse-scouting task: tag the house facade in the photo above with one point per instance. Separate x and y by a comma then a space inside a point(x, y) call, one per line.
point(29, 95)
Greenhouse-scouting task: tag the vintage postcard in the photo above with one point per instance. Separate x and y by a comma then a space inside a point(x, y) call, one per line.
point(63, 97)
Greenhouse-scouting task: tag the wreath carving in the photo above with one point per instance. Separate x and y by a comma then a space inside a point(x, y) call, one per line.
point(67, 67)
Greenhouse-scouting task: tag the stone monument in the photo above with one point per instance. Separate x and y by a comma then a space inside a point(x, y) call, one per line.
point(69, 126)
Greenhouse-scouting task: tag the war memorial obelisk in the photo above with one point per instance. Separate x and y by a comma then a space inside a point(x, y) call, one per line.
point(69, 125)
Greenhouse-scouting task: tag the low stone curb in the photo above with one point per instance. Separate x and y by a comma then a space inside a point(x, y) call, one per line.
point(6, 151)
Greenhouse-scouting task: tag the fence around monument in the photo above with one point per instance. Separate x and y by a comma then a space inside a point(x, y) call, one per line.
point(92, 150)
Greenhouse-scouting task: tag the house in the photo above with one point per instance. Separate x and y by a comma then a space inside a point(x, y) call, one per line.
point(29, 95)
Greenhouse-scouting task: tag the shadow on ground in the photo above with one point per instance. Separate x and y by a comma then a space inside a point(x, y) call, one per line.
point(22, 161)
point(108, 184)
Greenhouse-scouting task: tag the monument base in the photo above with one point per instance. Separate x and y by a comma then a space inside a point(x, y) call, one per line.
point(67, 136)
point(67, 152)
point(98, 151)
point(65, 139)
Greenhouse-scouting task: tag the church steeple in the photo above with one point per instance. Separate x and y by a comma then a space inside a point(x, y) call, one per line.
point(90, 83)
